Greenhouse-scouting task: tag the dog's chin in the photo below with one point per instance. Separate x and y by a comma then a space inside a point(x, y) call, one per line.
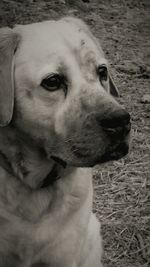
point(89, 161)
point(120, 151)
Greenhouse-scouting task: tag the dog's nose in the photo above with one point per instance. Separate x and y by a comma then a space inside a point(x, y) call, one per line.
point(116, 123)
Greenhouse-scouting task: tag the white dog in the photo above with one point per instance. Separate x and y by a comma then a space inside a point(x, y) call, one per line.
point(57, 120)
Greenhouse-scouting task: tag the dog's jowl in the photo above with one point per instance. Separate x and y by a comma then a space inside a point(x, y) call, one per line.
point(58, 118)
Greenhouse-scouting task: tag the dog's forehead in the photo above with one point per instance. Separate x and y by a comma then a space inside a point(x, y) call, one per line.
point(56, 37)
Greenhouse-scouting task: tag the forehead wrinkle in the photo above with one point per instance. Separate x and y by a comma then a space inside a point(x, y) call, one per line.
point(78, 57)
point(83, 46)
point(78, 39)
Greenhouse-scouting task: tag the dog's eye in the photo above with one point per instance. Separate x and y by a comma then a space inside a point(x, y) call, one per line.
point(102, 73)
point(52, 82)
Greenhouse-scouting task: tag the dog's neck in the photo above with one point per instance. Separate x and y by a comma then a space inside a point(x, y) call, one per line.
point(24, 161)
point(23, 187)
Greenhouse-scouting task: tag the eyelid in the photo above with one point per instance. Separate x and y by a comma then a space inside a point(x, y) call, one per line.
point(49, 75)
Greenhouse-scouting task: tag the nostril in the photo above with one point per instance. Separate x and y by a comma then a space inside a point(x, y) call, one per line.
point(115, 119)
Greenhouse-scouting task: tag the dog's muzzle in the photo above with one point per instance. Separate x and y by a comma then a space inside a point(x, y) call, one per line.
point(117, 126)
point(113, 143)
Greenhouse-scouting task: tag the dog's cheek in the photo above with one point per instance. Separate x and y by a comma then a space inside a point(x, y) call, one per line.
point(32, 118)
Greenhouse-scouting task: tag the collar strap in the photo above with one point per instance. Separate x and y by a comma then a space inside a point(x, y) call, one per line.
point(4, 162)
point(51, 177)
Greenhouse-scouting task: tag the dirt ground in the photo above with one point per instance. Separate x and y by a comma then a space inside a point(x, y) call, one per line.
point(122, 188)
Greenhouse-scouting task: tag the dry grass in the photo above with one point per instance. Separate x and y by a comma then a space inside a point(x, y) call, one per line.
point(122, 188)
point(122, 203)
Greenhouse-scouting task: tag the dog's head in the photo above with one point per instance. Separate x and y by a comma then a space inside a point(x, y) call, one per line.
point(55, 88)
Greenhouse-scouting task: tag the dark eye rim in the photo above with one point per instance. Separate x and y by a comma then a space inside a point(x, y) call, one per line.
point(55, 84)
point(102, 72)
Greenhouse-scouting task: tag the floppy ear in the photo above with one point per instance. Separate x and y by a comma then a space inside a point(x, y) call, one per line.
point(8, 44)
point(112, 87)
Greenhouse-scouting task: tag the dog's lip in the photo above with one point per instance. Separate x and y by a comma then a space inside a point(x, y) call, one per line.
point(116, 153)
point(82, 154)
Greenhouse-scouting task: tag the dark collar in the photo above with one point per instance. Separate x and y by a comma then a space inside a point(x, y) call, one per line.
point(52, 177)
point(4, 162)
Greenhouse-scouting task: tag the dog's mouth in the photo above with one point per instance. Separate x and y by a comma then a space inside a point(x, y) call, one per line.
point(112, 154)
point(83, 157)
